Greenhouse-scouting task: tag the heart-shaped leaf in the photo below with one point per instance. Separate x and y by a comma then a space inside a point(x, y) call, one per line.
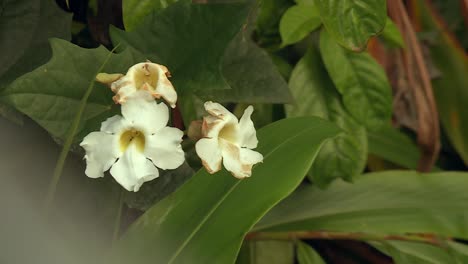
point(51, 94)
point(134, 11)
point(189, 39)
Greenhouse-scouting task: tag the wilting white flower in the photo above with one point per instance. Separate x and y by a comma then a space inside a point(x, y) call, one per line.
point(134, 144)
point(228, 140)
point(147, 76)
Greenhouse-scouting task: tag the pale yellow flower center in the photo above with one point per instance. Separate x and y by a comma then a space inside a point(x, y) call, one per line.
point(132, 136)
point(228, 133)
point(146, 75)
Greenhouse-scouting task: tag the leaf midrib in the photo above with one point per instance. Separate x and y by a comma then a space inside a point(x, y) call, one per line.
point(220, 201)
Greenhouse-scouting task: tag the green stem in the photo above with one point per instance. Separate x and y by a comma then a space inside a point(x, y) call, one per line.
point(69, 140)
point(420, 238)
point(118, 218)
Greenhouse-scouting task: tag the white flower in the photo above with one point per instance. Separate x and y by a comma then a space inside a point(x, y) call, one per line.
point(147, 76)
point(134, 144)
point(229, 141)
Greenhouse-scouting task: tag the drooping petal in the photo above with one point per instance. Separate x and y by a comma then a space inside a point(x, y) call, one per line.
point(145, 114)
point(133, 169)
point(232, 159)
point(122, 91)
point(219, 111)
point(164, 87)
point(122, 88)
point(210, 153)
point(247, 133)
point(101, 152)
point(114, 124)
point(164, 148)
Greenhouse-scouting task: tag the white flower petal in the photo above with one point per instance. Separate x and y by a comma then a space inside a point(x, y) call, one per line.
point(164, 87)
point(101, 152)
point(143, 113)
point(211, 126)
point(114, 125)
point(248, 135)
point(250, 157)
point(232, 159)
point(219, 111)
point(123, 92)
point(164, 148)
point(210, 153)
point(133, 169)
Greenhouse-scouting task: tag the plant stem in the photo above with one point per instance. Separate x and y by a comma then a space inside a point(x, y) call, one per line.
point(118, 217)
point(420, 238)
point(70, 136)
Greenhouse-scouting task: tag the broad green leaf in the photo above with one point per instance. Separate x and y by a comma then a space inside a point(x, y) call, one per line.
point(51, 94)
point(450, 86)
point(51, 22)
point(134, 11)
point(392, 35)
point(352, 22)
point(404, 252)
point(298, 22)
point(266, 252)
point(206, 219)
point(391, 202)
point(18, 19)
point(392, 145)
point(154, 191)
point(361, 81)
point(190, 39)
point(251, 74)
point(307, 255)
point(344, 156)
point(27, 44)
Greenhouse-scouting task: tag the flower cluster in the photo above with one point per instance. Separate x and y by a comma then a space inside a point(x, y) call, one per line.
point(138, 142)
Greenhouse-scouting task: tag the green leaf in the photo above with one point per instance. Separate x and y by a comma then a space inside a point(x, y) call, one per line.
point(298, 22)
point(154, 191)
point(361, 81)
point(134, 11)
point(206, 219)
point(51, 94)
point(352, 22)
point(393, 145)
point(307, 255)
point(18, 20)
point(404, 252)
point(266, 252)
point(25, 27)
point(392, 35)
point(391, 202)
point(344, 156)
point(190, 39)
point(251, 74)
point(450, 86)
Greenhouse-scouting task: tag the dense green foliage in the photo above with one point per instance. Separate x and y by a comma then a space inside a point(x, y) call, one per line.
point(333, 165)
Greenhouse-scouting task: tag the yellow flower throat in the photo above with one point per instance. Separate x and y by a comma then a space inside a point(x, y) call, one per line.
point(132, 136)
